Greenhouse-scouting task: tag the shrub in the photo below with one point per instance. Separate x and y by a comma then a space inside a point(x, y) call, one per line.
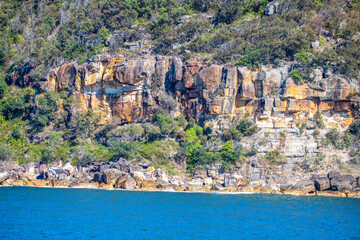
point(275, 157)
point(200, 156)
point(17, 132)
point(165, 123)
point(87, 158)
point(13, 107)
point(159, 152)
point(354, 128)
point(295, 74)
point(246, 127)
point(334, 137)
point(127, 150)
point(6, 152)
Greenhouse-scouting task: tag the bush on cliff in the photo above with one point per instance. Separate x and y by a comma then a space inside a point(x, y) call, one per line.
point(6, 152)
point(127, 150)
point(354, 128)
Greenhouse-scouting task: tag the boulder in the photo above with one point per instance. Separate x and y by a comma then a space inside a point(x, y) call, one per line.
point(104, 167)
point(120, 181)
point(148, 184)
point(62, 176)
point(130, 183)
point(342, 182)
point(322, 183)
point(106, 177)
point(42, 169)
point(68, 167)
point(139, 175)
point(4, 176)
point(213, 173)
point(56, 164)
point(113, 173)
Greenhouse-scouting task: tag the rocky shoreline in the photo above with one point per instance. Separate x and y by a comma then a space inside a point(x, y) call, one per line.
point(144, 177)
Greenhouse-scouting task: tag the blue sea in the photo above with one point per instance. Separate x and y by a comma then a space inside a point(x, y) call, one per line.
point(56, 213)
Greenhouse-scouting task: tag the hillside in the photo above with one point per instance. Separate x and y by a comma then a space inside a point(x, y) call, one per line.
point(267, 91)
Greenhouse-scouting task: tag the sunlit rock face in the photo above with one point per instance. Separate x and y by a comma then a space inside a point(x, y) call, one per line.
point(129, 90)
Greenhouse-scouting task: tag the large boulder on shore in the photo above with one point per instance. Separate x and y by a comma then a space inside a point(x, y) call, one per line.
point(343, 182)
point(106, 177)
point(120, 181)
point(130, 183)
point(113, 173)
point(322, 184)
point(4, 176)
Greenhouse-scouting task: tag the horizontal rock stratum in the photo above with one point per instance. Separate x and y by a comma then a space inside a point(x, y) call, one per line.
point(129, 90)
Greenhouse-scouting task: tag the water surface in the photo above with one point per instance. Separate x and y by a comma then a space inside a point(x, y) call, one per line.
point(53, 213)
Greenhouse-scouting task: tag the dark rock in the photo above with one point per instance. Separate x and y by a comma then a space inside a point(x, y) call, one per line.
point(106, 177)
point(322, 184)
point(59, 171)
point(342, 182)
point(97, 177)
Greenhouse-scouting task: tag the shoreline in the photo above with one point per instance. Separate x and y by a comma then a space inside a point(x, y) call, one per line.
point(354, 195)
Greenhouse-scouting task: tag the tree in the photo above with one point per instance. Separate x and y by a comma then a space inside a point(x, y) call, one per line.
point(6, 152)
point(127, 150)
point(85, 124)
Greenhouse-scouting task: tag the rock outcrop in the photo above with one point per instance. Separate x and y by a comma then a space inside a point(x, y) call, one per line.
point(130, 89)
point(139, 178)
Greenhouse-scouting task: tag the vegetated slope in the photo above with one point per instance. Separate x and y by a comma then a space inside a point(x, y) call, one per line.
point(306, 35)
point(36, 35)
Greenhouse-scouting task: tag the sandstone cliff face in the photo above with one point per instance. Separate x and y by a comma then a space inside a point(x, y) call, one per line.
point(130, 89)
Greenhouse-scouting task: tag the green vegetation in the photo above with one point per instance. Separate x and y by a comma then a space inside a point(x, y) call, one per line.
point(235, 31)
point(275, 157)
point(43, 128)
point(37, 35)
point(295, 74)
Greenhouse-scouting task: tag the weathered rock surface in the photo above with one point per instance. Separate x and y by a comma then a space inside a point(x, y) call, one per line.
point(322, 184)
point(117, 88)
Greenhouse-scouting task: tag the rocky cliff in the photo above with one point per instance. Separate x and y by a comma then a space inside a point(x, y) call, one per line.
point(290, 147)
point(130, 90)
